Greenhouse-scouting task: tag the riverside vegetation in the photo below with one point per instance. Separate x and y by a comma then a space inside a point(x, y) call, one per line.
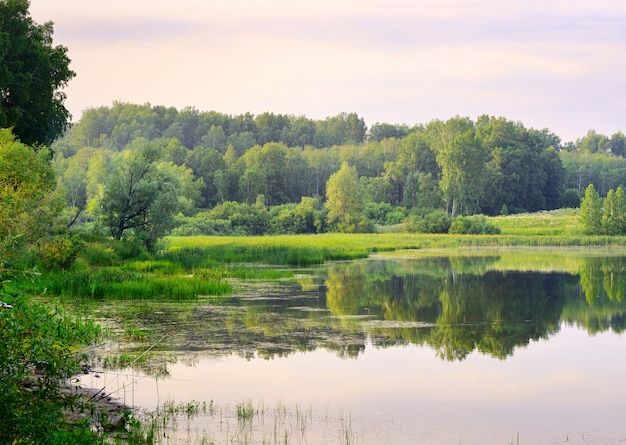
point(84, 210)
point(44, 341)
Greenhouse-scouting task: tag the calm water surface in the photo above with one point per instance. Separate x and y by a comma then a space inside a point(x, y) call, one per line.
point(478, 348)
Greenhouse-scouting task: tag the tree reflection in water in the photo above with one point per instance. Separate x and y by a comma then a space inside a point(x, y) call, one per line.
point(454, 304)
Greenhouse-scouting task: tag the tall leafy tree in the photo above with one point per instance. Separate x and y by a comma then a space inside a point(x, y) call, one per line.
point(345, 200)
point(33, 73)
point(26, 179)
point(139, 199)
point(462, 163)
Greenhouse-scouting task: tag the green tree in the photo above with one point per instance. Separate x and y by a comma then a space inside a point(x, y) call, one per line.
point(205, 163)
point(609, 214)
point(321, 163)
point(215, 139)
point(620, 211)
point(189, 187)
point(299, 133)
point(252, 183)
point(591, 211)
point(345, 200)
point(618, 144)
point(32, 75)
point(613, 219)
point(462, 163)
point(381, 131)
point(139, 199)
point(72, 174)
point(26, 183)
point(593, 142)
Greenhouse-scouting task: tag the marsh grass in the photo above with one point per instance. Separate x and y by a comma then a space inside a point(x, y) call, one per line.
point(547, 223)
point(299, 250)
point(120, 284)
point(294, 250)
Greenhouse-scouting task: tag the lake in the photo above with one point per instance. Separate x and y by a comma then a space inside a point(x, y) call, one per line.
point(509, 346)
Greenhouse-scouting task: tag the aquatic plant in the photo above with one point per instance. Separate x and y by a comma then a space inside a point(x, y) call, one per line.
point(118, 283)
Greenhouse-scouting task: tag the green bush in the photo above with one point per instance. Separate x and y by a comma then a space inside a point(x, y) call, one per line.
point(58, 252)
point(245, 219)
point(436, 221)
point(383, 213)
point(473, 225)
point(38, 344)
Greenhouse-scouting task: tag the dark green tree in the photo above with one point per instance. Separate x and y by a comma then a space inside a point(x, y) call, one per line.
point(139, 200)
point(32, 74)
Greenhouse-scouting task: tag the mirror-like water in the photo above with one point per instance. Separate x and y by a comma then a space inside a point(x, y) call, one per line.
point(478, 348)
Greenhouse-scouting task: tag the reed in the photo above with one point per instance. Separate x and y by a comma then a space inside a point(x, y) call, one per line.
point(120, 284)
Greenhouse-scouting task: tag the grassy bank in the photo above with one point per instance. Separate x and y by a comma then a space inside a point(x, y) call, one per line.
point(558, 228)
point(41, 342)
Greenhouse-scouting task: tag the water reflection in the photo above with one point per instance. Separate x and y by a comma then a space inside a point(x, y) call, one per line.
point(451, 348)
point(492, 303)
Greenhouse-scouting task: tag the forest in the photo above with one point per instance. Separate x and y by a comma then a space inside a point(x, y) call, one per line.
point(143, 171)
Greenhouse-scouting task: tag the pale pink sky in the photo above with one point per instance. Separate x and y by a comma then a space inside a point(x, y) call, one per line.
point(552, 64)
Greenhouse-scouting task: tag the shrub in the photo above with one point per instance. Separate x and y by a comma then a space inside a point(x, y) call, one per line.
point(202, 224)
point(383, 213)
point(473, 225)
point(38, 344)
point(436, 221)
point(244, 218)
point(58, 252)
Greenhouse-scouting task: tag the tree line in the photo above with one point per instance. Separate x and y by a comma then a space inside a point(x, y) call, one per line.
point(192, 165)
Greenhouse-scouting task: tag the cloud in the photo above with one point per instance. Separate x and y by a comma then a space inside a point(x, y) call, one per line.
point(551, 64)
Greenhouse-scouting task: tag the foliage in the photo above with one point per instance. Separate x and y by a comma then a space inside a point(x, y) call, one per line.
point(435, 221)
point(26, 179)
point(28, 210)
point(490, 165)
point(462, 158)
point(306, 217)
point(58, 252)
point(201, 224)
point(591, 211)
point(571, 199)
point(39, 353)
point(243, 219)
point(139, 198)
point(32, 74)
point(345, 201)
point(384, 213)
point(473, 225)
point(604, 216)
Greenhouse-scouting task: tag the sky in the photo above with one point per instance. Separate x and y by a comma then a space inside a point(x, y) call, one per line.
point(555, 64)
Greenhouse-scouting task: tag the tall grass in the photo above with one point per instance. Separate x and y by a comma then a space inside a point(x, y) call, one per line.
point(547, 223)
point(117, 283)
point(303, 250)
point(198, 265)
